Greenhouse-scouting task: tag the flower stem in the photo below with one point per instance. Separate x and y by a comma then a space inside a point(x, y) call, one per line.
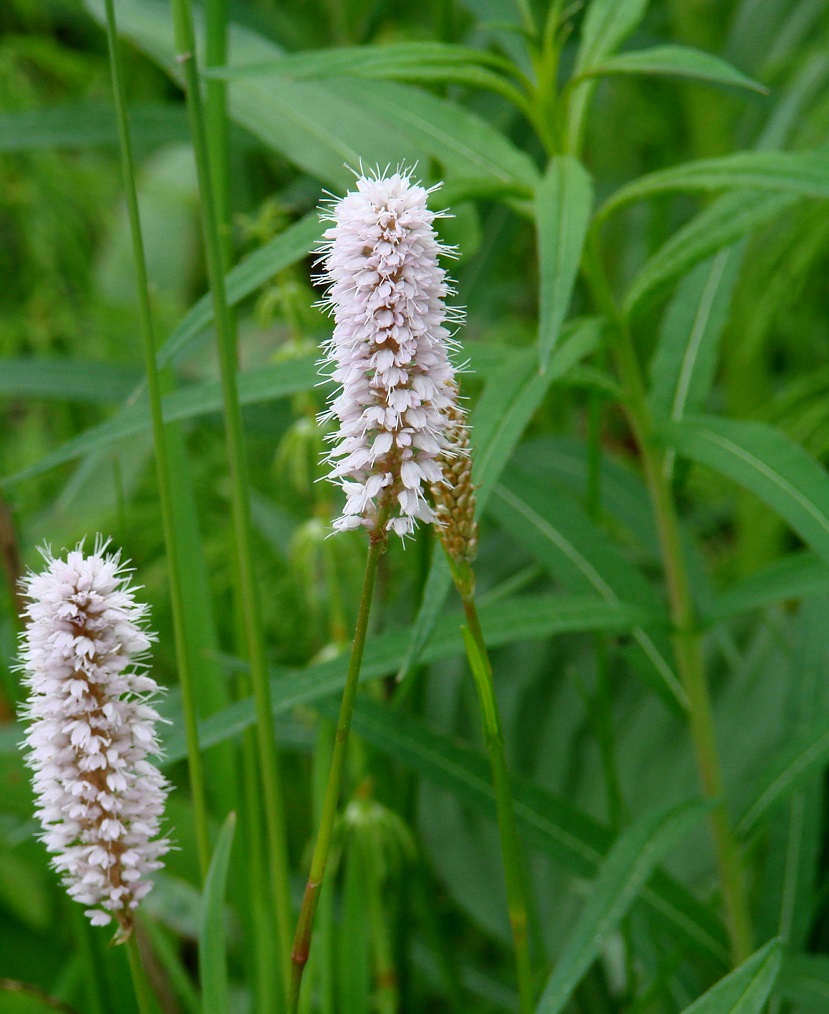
point(479, 662)
point(143, 994)
point(302, 938)
point(686, 634)
point(165, 474)
point(240, 499)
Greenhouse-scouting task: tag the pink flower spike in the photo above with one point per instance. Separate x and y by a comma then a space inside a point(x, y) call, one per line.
point(389, 351)
point(92, 726)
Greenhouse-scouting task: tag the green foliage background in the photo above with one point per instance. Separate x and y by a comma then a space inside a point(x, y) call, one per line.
point(700, 187)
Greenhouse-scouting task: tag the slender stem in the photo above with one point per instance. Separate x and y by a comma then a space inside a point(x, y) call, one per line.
point(240, 500)
point(686, 635)
point(215, 55)
point(143, 994)
point(165, 476)
point(302, 938)
point(510, 846)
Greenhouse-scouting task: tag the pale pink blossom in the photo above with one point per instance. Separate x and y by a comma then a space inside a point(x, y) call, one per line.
point(92, 726)
point(389, 351)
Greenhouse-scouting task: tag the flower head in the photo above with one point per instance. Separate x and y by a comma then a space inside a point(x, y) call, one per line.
point(92, 726)
point(389, 351)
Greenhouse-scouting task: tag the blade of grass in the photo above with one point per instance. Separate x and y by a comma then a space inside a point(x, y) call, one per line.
point(628, 866)
point(248, 595)
point(166, 477)
point(212, 957)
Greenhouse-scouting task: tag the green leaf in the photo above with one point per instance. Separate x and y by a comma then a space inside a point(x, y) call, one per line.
point(786, 771)
point(804, 981)
point(789, 880)
point(525, 618)
point(512, 396)
point(765, 461)
point(549, 824)
point(510, 399)
point(363, 61)
point(675, 61)
point(563, 202)
point(262, 384)
point(212, 957)
point(606, 25)
point(90, 124)
point(281, 252)
point(628, 866)
point(66, 380)
point(805, 173)
point(402, 61)
point(747, 988)
point(567, 543)
point(796, 576)
point(727, 220)
point(682, 369)
point(324, 126)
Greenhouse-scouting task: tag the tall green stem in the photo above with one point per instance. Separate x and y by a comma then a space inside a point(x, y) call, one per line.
point(302, 938)
point(143, 994)
point(510, 847)
point(165, 479)
point(240, 500)
point(686, 635)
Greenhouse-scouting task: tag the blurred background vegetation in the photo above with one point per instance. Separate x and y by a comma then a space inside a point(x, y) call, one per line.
point(71, 357)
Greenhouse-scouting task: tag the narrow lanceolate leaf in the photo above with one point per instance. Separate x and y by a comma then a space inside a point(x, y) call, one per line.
point(789, 880)
point(765, 461)
point(549, 824)
point(727, 220)
point(787, 770)
point(512, 396)
point(276, 381)
point(324, 126)
point(281, 252)
point(509, 401)
point(682, 369)
point(805, 173)
point(628, 866)
point(563, 202)
point(675, 61)
point(212, 952)
point(606, 24)
point(88, 125)
point(747, 988)
point(402, 61)
point(526, 618)
point(796, 576)
point(363, 61)
point(579, 555)
point(66, 380)
point(804, 981)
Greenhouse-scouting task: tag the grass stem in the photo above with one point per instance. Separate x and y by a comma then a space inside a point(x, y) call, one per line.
point(165, 474)
point(240, 496)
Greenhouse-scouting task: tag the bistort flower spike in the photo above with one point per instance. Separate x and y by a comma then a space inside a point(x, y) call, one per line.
point(388, 352)
point(99, 800)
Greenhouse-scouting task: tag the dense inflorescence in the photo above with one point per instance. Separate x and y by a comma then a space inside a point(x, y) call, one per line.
point(389, 352)
point(454, 497)
point(99, 799)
